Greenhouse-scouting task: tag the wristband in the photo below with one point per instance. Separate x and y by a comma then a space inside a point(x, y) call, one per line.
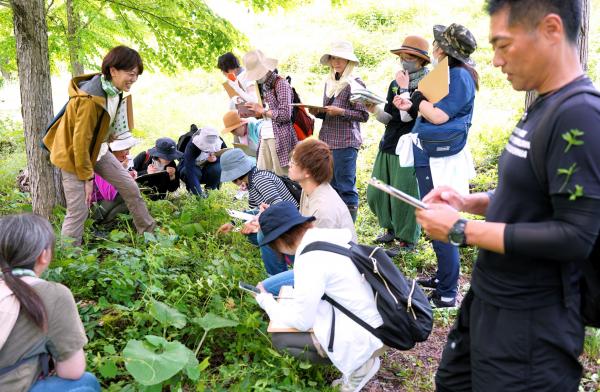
point(401, 90)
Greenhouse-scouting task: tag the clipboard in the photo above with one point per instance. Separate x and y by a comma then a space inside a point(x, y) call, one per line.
point(286, 294)
point(397, 193)
point(436, 84)
point(221, 152)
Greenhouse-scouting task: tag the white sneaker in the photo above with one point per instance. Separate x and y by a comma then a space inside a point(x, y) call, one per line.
point(361, 376)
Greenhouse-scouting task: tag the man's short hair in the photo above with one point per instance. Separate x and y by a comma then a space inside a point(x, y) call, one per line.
point(122, 58)
point(530, 12)
point(228, 62)
point(315, 157)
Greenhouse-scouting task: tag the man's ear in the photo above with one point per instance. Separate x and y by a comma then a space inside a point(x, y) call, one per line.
point(551, 27)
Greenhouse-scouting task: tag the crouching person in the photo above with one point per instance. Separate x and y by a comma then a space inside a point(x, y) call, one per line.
point(355, 350)
point(38, 318)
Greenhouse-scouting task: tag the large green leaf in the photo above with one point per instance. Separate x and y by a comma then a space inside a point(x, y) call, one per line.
point(166, 315)
point(212, 321)
point(155, 360)
point(192, 368)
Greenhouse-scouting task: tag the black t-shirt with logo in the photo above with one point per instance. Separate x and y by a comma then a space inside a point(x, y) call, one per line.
point(523, 282)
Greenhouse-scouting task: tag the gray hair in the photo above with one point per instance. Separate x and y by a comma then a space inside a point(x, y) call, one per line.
point(23, 238)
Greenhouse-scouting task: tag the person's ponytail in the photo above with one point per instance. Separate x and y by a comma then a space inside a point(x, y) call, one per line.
point(23, 238)
point(30, 301)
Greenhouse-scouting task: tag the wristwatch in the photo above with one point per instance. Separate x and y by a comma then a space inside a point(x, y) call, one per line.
point(457, 236)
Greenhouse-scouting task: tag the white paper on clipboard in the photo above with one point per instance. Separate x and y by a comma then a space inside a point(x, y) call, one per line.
point(241, 215)
point(397, 193)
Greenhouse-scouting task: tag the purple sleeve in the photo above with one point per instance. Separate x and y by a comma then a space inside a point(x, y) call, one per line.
point(105, 189)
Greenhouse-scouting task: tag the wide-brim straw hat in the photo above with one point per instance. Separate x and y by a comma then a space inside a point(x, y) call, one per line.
point(415, 46)
point(457, 41)
point(124, 141)
point(232, 120)
point(341, 49)
point(257, 64)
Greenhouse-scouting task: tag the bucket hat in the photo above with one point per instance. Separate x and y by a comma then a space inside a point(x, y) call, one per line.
point(232, 120)
point(234, 164)
point(124, 142)
point(341, 49)
point(166, 148)
point(415, 46)
point(457, 41)
point(257, 64)
point(278, 219)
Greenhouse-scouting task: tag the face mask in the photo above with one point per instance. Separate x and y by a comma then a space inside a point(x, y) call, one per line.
point(411, 66)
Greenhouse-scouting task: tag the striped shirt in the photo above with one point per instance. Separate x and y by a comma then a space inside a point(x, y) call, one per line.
point(266, 187)
point(278, 95)
point(343, 131)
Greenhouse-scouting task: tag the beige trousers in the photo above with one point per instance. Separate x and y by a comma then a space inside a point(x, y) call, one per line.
point(77, 210)
point(267, 158)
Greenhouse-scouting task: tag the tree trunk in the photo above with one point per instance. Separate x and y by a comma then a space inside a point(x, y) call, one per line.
point(582, 46)
point(36, 100)
point(73, 39)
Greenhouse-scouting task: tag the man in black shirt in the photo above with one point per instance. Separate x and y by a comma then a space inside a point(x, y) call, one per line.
point(519, 327)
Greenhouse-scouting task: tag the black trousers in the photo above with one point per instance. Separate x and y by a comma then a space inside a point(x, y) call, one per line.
point(495, 349)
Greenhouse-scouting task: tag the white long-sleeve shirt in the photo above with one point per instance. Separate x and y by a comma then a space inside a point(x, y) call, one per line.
point(317, 273)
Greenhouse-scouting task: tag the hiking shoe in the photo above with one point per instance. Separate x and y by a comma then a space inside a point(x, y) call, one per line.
point(405, 246)
point(437, 302)
point(430, 283)
point(385, 238)
point(361, 376)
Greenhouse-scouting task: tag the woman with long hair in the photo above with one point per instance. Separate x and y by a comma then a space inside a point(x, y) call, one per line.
point(442, 128)
point(39, 319)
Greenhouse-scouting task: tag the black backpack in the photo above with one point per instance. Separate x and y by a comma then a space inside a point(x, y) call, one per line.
point(184, 139)
point(292, 186)
point(590, 282)
point(404, 308)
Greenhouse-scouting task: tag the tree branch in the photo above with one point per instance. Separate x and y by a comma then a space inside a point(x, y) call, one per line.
point(144, 11)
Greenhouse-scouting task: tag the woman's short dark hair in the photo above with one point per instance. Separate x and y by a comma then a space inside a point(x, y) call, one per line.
point(122, 58)
point(228, 62)
point(314, 156)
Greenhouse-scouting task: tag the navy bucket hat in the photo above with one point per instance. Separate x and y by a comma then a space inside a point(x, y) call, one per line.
point(165, 148)
point(278, 219)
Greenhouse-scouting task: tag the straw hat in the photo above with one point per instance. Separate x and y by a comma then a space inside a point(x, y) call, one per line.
point(342, 49)
point(457, 41)
point(257, 64)
point(415, 46)
point(232, 120)
point(123, 142)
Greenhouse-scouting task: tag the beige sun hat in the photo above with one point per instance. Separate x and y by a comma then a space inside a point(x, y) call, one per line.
point(232, 120)
point(342, 49)
point(123, 142)
point(257, 64)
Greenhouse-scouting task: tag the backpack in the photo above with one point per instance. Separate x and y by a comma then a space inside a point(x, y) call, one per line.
point(59, 116)
point(590, 281)
point(303, 123)
point(404, 308)
point(184, 139)
point(292, 186)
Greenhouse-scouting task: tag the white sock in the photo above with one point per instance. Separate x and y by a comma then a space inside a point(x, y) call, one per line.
point(447, 299)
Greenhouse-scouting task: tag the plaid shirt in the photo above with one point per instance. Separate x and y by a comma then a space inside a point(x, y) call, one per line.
point(343, 131)
point(277, 92)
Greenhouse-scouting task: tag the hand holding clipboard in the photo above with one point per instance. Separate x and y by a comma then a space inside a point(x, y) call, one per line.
point(398, 194)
